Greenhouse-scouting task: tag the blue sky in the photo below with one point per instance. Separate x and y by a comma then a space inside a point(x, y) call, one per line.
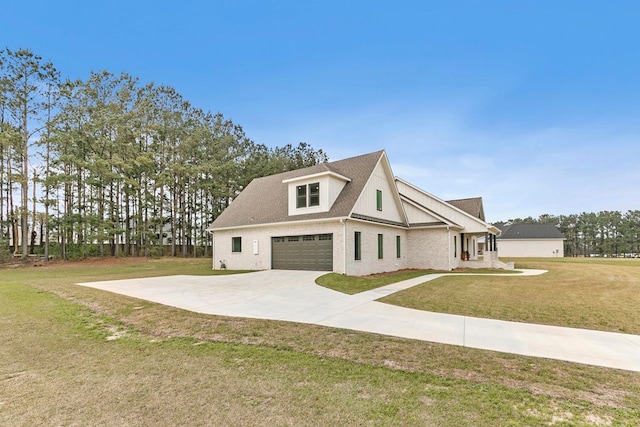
point(535, 106)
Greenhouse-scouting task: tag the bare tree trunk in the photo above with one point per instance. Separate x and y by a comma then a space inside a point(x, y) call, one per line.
point(68, 203)
point(174, 212)
point(24, 211)
point(2, 190)
point(113, 238)
point(15, 228)
point(140, 224)
point(33, 219)
point(11, 214)
point(183, 224)
point(127, 225)
point(46, 207)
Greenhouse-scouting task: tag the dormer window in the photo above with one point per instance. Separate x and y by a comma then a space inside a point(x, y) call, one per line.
point(308, 195)
point(301, 196)
point(314, 194)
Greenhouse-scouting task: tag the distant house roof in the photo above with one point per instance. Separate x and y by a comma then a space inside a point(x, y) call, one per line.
point(529, 231)
point(264, 200)
point(472, 206)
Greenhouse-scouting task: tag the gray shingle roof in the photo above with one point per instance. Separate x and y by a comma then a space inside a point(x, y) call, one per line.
point(264, 200)
point(530, 231)
point(472, 206)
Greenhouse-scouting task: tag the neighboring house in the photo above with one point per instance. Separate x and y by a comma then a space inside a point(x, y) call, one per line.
point(352, 217)
point(530, 240)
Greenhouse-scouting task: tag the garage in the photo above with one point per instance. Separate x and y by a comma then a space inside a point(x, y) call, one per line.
point(306, 252)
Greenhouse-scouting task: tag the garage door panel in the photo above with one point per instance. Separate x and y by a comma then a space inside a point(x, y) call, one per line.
point(307, 252)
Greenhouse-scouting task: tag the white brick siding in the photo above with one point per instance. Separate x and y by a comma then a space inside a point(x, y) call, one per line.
point(370, 264)
point(431, 248)
point(246, 260)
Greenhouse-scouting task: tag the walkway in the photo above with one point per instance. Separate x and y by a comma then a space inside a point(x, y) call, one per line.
point(293, 296)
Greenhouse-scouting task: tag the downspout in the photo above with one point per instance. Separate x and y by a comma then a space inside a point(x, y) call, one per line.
point(213, 250)
point(449, 248)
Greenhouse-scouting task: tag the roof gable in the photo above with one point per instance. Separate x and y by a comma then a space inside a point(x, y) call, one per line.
point(265, 200)
point(451, 214)
point(420, 216)
point(381, 187)
point(472, 206)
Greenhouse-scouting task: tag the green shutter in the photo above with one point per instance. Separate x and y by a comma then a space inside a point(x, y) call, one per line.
point(379, 200)
point(380, 249)
point(455, 246)
point(358, 246)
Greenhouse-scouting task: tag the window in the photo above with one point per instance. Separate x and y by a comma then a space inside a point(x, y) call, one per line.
point(301, 196)
point(308, 195)
point(380, 251)
point(398, 247)
point(314, 194)
point(236, 244)
point(379, 200)
point(358, 246)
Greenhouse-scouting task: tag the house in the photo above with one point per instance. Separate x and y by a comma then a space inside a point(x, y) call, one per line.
point(530, 240)
point(351, 216)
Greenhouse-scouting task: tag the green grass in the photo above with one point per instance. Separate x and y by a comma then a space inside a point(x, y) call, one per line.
point(79, 356)
point(94, 269)
point(352, 285)
point(596, 294)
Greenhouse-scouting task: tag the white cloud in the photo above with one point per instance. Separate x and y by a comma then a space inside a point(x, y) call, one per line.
point(518, 172)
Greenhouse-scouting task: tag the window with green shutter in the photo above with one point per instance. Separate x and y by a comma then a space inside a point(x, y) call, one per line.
point(379, 200)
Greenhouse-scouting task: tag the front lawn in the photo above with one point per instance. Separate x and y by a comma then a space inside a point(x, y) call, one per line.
point(601, 294)
point(352, 285)
point(74, 355)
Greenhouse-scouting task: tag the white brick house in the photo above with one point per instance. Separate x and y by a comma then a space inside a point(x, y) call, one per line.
point(352, 217)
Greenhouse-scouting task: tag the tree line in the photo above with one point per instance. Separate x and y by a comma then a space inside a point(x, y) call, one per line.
point(110, 166)
point(605, 233)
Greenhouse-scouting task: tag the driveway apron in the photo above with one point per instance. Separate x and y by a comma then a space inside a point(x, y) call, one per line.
point(293, 296)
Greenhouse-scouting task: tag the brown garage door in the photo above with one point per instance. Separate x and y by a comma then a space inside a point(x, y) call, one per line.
point(308, 252)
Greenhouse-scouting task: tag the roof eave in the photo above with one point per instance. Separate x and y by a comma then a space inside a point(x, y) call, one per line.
point(484, 223)
point(316, 175)
point(277, 224)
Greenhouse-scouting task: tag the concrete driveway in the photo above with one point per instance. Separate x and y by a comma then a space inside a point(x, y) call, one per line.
point(293, 296)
